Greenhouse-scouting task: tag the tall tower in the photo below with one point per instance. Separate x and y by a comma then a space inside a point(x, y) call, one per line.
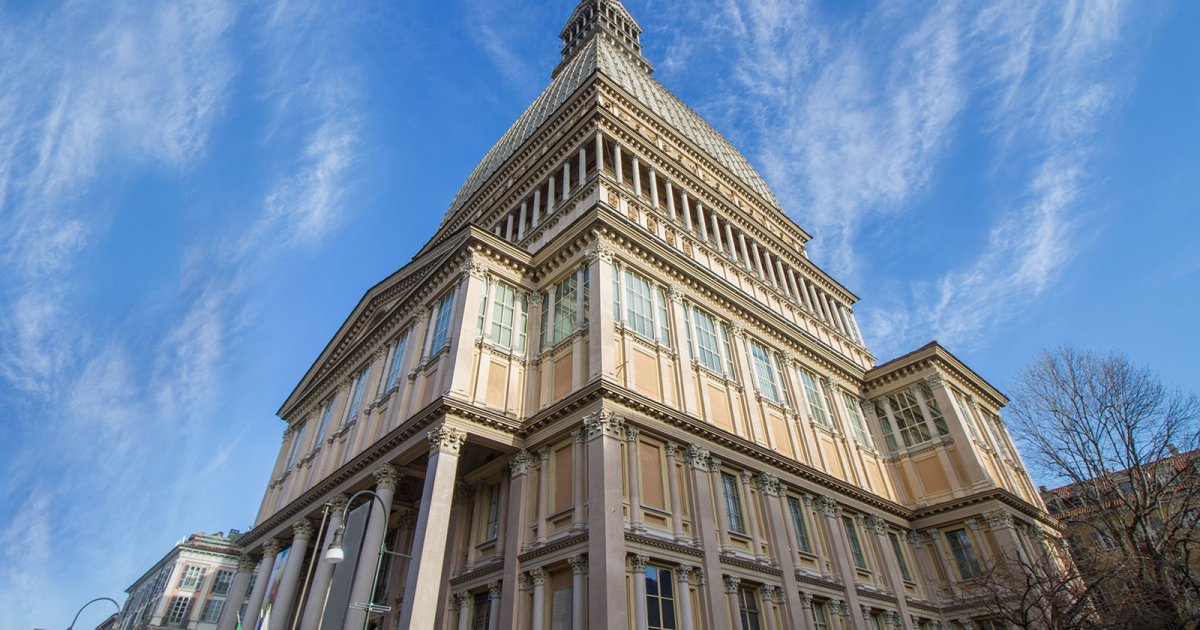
point(613, 391)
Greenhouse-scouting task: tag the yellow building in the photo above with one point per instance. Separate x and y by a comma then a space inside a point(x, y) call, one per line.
point(613, 391)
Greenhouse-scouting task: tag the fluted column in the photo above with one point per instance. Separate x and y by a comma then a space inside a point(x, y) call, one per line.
point(583, 165)
point(687, 211)
point(566, 183)
point(671, 201)
point(237, 594)
point(638, 564)
point(673, 489)
point(618, 167)
point(683, 593)
point(314, 608)
point(599, 153)
point(543, 504)
point(521, 220)
point(741, 236)
point(702, 222)
point(254, 606)
point(654, 188)
point(578, 564)
point(716, 229)
point(386, 478)
point(637, 176)
point(537, 207)
point(635, 484)
point(429, 540)
point(758, 267)
point(288, 583)
point(732, 243)
point(550, 195)
point(537, 576)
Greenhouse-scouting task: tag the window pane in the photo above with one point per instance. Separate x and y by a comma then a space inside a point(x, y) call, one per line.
point(856, 549)
point(564, 294)
point(733, 503)
point(441, 330)
point(856, 420)
point(885, 426)
point(707, 344)
point(356, 394)
point(816, 400)
point(797, 511)
point(639, 305)
point(911, 423)
point(764, 371)
point(397, 360)
point(964, 553)
point(939, 422)
point(664, 317)
point(900, 559)
point(503, 303)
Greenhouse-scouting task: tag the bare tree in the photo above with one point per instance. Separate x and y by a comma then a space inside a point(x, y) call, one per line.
point(1126, 447)
point(1045, 592)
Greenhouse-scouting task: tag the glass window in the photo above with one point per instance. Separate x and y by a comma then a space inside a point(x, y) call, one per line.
point(664, 317)
point(876, 621)
point(222, 582)
point(492, 525)
point(212, 610)
point(297, 440)
point(885, 426)
point(748, 608)
point(563, 305)
point(764, 370)
point(191, 577)
point(816, 399)
point(660, 598)
point(857, 424)
point(856, 549)
point(356, 393)
point(639, 305)
point(968, 417)
point(798, 524)
point(177, 612)
point(480, 611)
point(504, 302)
point(441, 328)
point(397, 361)
point(708, 345)
point(964, 553)
point(326, 412)
point(907, 412)
point(900, 559)
point(733, 503)
point(820, 616)
point(939, 422)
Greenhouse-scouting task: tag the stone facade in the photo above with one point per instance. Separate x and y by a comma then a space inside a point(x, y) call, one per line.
point(188, 588)
point(613, 391)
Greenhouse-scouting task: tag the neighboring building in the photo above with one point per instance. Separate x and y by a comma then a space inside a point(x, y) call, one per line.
point(613, 391)
point(110, 623)
point(187, 588)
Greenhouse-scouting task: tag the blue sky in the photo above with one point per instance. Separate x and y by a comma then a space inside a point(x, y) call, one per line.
point(194, 195)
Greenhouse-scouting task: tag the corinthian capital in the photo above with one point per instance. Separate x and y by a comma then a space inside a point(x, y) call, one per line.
point(387, 475)
point(271, 547)
point(302, 529)
point(876, 524)
point(520, 464)
point(829, 506)
point(604, 423)
point(446, 439)
point(600, 251)
point(696, 457)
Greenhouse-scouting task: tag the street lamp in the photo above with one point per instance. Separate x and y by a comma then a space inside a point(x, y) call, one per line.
point(98, 599)
point(336, 553)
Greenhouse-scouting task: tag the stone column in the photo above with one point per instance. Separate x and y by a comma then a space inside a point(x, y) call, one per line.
point(891, 565)
point(1001, 524)
point(537, 576)
point(732, 243)
point(462, 602)
point(521, 220)
point(673, 490)
point(745, 252)
point(653, 189)
point(237, 594)
point(687, 211)
point(606, 531)
point(314, 607)
point(515, 527)
point(732, 584)
point(271, 550)
point(289, 581)
point(638, 564)
point(599, 152)
point(808, 622)
point(697, 458)
point(566, 182)
point(773, 497)
point(578, 524)
point(543, 504)
point(550, 194)
point(751, 515)
point(494, 600)
point(716, 228)
point(767, 595)
point(770, 260)
point(758, 267)
point(687, 620)
point(429, 540)
point(637, 176)
point(841, 552)
point(386, 478)
point(602, 360)
point(702, 222)
point(714, 470)
point(537, 207)
point(634, 475)
point(671, 200)
point(583, 165)
point(578, 564)
point(618, 167)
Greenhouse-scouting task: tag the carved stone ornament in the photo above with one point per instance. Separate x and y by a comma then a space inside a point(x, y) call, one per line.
point(914, 540)
point(682, 573)
point(972, 524)
point(631, 434)
point(737, 330)
point(671, 449)
point(338, 502)
point(387, 475)
point(674, 294)
point(407, 519)
point(829, 506)
point(746, 477)
point(696, 456)
point(966, 624)
point(421, 314)
point(1035, 532)
point(638, 563)
point(474, 268)
point(537, 576)
point(714, 464)
point(302, 529)
point(769, 484)
point(247, 564)
point(933, 534)
point(701, 577)
point(578, 435)
point(767, 591)
point(271, 547)
point(523, 581)
point(460, 600)
point(600, 251)
point(604, 423)
point(732, 583)
point(876, 524)
point(494, 591)
point(838, 607)
point(866, 612)
point(808, 500)
point(521, 462)
point(544, 453)
point(578, 564)
point(805, 600)
point(446, 439)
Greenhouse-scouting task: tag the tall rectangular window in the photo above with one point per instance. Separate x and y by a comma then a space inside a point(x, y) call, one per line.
point(297, 441)
point(856, 549)
point(820, 616)
point(563, 306)
point(441, 327)
point(816, 399)
point(192, 577)
point(857, 424)
point(356, 393)
point(907, 413)
point(481, 610)
point(798, 524)
point(733, 503)
point(748, 608)
point(898, 549)
point(212, 611)
point(885, 426)
point(504, 302)
point(939, 422)
point(397, 361)
point(764, 370)
point(177, 612)
point(492, 525)
point(708, 344)
point(664, 317)
point(964, 553)
point(968, 418)
point(660, 598)
point(639, 305)
point(222, 582)
point(326, 413)
point(1001, 436)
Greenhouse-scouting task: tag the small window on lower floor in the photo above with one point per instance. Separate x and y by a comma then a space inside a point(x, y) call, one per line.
point(820, 615)
point(481, 610)
point(212, 610)
point(660, 598)
point(748, 608)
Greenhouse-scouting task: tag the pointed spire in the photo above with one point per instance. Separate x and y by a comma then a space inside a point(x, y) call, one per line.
point(601, 16)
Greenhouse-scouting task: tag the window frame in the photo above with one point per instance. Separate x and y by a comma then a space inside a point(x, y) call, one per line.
point(399, 347)
point(818, 409)
point(658, 603)
point(963, 552)
point(850, 524)
point(749, 608)
point(858, 424)
point(732, 494)
point(901, 559)
point(766, 372)
point(177, 615)
point(799, 524)
point(909, 419)
point(192, 577)
point(222, 582)
point(211, 613)
point(441, 323)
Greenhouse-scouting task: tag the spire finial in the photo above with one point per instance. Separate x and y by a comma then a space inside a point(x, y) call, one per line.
point(593, 16)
